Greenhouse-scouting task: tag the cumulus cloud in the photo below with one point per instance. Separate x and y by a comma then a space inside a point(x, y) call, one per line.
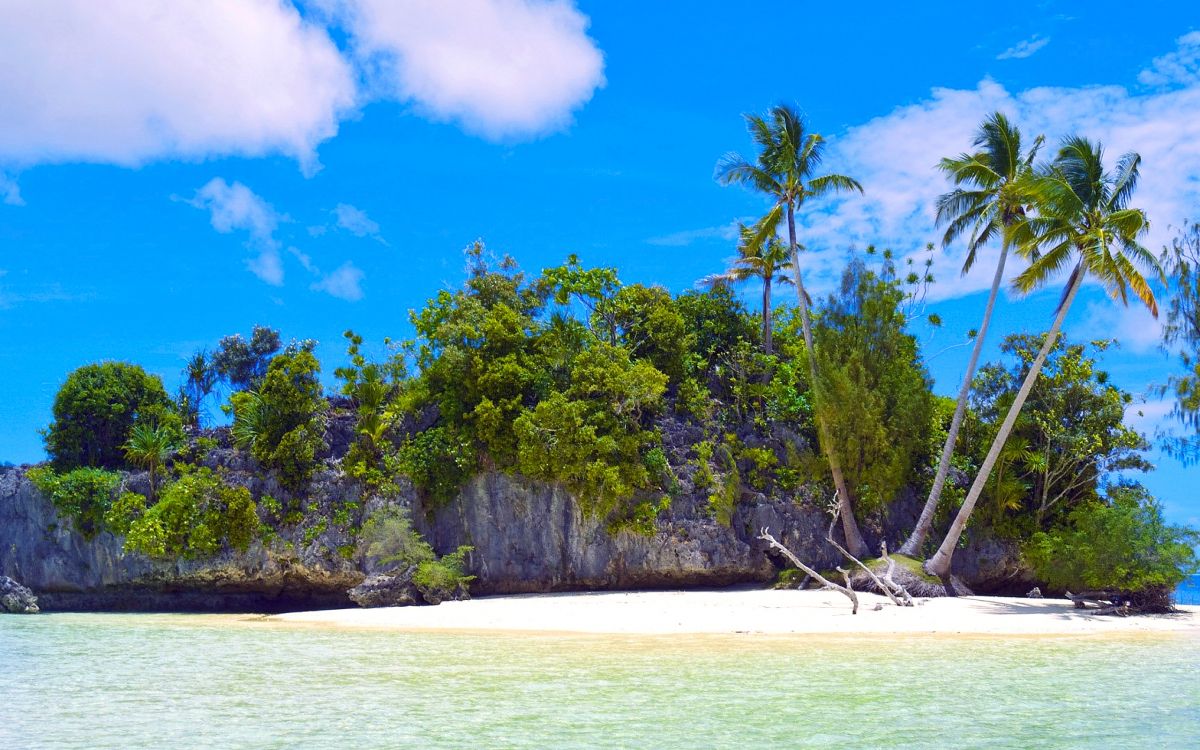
point(235, 207)
point(126, 81)
point(1024, 48)
point(356, 222)
point(344, 283)
point(895, 158)
point(500, 68)
point(1179, 67)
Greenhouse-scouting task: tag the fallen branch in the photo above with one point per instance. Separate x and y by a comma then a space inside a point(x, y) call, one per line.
point(880, 585)
point(887, 577)
point(847, 590)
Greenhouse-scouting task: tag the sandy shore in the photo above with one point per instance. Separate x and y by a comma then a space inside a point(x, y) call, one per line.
point(746, 611)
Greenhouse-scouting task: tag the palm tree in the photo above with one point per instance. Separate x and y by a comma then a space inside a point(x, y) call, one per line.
point(783, 171)
point(756, 260)
point(1083, 216)
point(149, 446)
point(998, 180)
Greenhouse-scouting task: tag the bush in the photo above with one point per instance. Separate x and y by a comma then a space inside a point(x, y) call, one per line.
point(196, 517)
point(95, 410)
point(388, 535)
point(445, 578)
point(83, 495)
point(279, 423)
point(1121, 545)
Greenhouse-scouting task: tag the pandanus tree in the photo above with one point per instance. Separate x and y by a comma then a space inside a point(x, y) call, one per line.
point(1083, 218)
point(150, 445)
point(784, 172)
point(765, 259)
point(994, 187)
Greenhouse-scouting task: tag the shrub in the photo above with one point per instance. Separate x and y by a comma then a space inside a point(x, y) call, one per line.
point(95, 410)
point(1123, 545)
point(445, 578)
point(196, 516)
point(83, 495)
point(279, 423)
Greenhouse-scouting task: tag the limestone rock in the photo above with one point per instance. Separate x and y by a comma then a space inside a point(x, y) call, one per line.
point(384, 590)
point(16, 599)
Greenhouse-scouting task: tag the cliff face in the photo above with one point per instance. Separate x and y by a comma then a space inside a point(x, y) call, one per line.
point(528, 537)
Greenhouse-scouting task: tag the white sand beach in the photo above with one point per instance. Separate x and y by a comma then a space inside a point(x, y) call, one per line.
point(766, 612)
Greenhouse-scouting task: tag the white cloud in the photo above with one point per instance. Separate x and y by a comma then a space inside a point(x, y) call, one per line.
point(501, 68)
point(1178, 67)
point(10, 192)
point(1148, 416)
point(356, 221)
point(126, 81)
point(235, 207)
point(727, 232)
point(895, 158)
point(344, 283)
point(1024, 48)
point(1134, 327)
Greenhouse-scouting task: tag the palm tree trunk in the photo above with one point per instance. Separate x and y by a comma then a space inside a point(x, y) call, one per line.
point(912, 545)
point(767, 314)
point(854, 539)
point(939, 564)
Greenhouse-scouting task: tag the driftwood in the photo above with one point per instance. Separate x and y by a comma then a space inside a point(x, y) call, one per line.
point(887, 577)
point(1107, 603)
point(894, 591)
point(848, 590)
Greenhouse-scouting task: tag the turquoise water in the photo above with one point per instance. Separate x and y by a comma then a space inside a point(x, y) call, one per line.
point(178, 681)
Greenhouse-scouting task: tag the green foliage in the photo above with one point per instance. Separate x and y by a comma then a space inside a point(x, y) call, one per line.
point(196, 517)
point(83, 495)
point(647, 323)
point(151, 444)
point(241, 363)
point(875, 396)
point(590, 437)
point(389, 536)
point(437, 460)
point(95, 410)
point(1069, 439)
point(1119, 543)
point(1181, 336)
point(444, 578)
point(280, 423)
point(374, 388)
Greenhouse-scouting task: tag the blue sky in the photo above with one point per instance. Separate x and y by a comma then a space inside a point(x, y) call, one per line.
point(170, 177)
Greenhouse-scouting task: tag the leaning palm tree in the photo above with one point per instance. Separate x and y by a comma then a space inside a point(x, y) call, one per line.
point(1083, 217)
point(149, 446)
point(757, 259)
point(783, 171)
point(995, 186)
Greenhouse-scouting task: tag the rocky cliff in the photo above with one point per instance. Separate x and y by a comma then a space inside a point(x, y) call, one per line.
point(528, 537)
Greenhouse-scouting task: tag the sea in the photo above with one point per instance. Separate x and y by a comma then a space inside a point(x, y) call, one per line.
point(220, 681)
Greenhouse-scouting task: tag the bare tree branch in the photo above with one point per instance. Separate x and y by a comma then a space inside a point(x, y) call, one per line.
point(848, 590)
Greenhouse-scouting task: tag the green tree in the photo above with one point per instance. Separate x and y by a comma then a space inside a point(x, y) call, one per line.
point(994, 190)
point(1120, 543)
point(95, 410)
point(279, 424)
point(1070, 439)
point(783, 171)
point(1083, 214)
point(875, 397)
point(150, 444)
point(1181, 336)
point(762, 259)
point(243, 364)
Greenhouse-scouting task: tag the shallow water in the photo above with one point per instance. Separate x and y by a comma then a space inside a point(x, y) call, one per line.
point(166, 681)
